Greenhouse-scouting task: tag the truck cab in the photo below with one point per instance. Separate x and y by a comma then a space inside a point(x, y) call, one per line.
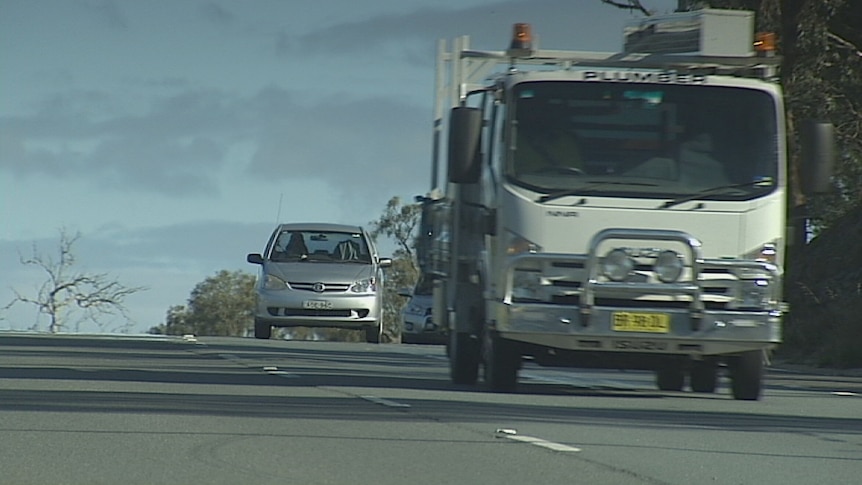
point(614, 210)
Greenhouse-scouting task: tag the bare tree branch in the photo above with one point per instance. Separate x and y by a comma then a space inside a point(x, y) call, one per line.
point(844, 43)
point(629, 5)
point(96, 294)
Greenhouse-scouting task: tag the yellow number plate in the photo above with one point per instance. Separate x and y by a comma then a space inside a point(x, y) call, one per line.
point(641, 322)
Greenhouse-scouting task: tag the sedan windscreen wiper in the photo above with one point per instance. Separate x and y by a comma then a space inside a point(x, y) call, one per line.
point(587, 188)
point(760, 182)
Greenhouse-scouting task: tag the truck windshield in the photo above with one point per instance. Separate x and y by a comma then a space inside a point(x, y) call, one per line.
point(643, 140)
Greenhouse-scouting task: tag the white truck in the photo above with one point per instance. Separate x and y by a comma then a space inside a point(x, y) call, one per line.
point(655, 241)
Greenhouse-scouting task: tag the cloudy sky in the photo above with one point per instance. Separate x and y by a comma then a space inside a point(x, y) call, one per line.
point(173, 134)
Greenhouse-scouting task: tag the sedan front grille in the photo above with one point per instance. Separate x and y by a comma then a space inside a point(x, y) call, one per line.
point(328, 287)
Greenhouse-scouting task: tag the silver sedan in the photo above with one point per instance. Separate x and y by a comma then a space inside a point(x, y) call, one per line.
point(319, 275)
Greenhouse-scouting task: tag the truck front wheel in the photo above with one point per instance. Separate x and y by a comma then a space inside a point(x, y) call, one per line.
point(502, 359)
point(746, 375)
point(463, 358)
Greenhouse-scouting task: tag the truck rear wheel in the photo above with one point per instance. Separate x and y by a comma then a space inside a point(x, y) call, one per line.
point(670, 378)
point(463, 358)
point(502, 359)
point(704, 375)
point(746, 375)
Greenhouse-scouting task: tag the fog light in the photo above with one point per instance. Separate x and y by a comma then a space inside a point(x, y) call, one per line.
point(617, 265)
point(668, 266)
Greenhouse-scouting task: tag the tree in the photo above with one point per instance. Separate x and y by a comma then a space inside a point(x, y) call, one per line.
point(67, 294)
point(221, 305)
point(398, 223)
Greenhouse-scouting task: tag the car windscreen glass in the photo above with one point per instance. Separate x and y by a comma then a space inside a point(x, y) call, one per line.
point(642, 140)
point(320, 246)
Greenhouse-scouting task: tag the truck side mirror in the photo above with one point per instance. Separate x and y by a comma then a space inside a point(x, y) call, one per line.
point(817, 149)
point(465, 131)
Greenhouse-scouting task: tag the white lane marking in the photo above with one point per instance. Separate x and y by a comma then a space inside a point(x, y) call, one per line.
point(274, 371)
point(582, 382)
point(845, 394)
point(539, 442)
point(385, 402)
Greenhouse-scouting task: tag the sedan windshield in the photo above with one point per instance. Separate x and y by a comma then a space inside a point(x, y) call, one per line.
point(313, 246)
point(655, 141)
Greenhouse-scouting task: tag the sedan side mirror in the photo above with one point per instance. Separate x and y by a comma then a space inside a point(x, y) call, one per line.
point(254, 258)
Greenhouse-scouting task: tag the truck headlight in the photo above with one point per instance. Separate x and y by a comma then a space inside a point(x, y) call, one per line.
point(526, 283)
point(668, 266)
point(617, 265)
point(754, 293)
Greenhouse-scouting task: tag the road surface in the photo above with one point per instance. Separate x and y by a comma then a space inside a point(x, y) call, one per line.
point(167, 410)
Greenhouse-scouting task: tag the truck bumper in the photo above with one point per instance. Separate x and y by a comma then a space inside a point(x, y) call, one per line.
point(562, 327)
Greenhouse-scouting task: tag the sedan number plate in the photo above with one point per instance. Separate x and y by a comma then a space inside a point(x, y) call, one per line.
point(317, 304)
point(641, 322)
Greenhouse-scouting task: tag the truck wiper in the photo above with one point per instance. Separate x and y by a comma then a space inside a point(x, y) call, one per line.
point(588, 187)
point(760, 182)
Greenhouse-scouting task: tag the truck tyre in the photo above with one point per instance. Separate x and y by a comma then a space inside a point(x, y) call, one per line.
point(670, 379)
point(502, 359)
point(262, 330)
point(463, 358)
point(704, 375)
point(746, 375)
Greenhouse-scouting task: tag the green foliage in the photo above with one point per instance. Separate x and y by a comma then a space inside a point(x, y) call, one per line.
point(221, 305)
point(825, 293)
point(398, 223)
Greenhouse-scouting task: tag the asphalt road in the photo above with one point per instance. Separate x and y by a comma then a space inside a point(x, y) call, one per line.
point(142, 410)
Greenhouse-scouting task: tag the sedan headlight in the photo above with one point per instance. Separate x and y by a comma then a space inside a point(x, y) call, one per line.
point(668, 266)
point(272, 282)
point(617, 265)
point(367, 285)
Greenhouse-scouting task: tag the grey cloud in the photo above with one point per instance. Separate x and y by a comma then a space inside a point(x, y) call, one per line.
point(179, 146)
point(559, 24)
point(217, 14)
point(106, 13)
point(169, 166)
point(360, 147)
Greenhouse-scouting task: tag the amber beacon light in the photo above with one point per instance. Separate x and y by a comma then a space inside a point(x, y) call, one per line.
point(522, 38)
point(764, 43)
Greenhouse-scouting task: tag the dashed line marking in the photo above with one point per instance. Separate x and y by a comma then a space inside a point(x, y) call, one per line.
point(581, 382)
point(540, 442)
point(385, 402)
